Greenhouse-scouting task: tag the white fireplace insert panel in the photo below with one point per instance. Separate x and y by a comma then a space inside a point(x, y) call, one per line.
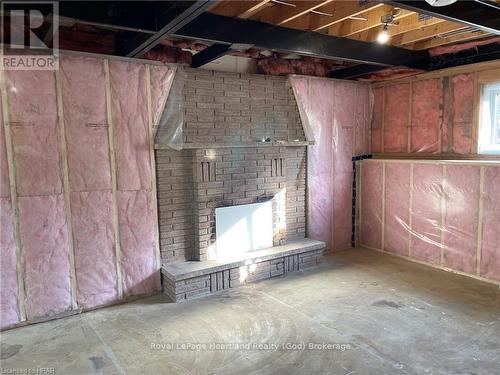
point(243, 228)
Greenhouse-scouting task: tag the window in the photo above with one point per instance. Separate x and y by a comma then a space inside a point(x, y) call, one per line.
point(489, 134)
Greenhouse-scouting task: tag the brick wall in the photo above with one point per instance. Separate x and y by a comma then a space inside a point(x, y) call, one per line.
point(227, 109)
point(231, 107)
point(175, 191)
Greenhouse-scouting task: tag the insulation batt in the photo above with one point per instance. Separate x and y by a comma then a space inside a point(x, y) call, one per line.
point(86, 123)
point(35, 132)
point(431, 212)
point(337, 114)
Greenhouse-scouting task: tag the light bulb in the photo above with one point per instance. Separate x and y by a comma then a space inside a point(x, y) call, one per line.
point(383, 37)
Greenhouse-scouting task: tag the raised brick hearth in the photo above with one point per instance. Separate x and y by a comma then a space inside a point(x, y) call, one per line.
point(187, 280)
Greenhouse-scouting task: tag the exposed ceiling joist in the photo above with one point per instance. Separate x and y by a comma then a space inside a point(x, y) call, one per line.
point(277, 38)
point(473, 55)
point(481, 14)
point(367, 20)
point(241, 9)
point(333, 12)
point(141, 44)
point(440, 40)
point(405, 24)
point(426, 32)
point(287, 14)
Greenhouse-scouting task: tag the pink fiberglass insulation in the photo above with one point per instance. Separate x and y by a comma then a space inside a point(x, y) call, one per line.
point(362, 111)
point(161, 81)
point(490, 251)
point(342, 211)
point(377, 120)
point(344, 102)
point(131, 127)
point(44, 239)
point(396, 115)
point(35, 132)
point(4, 169)
point(320, 184)
point(371, 204)
point(461, 217)
point(425, 115)
point(86, 123)
point(342, 186)
point(93, 236)
point(426, 212)
point(137, 241)
point(397, 210)
point(9, 311)
point(463, 99)
point(337, 114)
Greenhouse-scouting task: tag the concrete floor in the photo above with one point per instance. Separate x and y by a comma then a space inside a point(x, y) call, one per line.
point(397, 318)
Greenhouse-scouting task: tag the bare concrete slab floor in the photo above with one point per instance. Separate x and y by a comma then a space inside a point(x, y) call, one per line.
point(392, 317)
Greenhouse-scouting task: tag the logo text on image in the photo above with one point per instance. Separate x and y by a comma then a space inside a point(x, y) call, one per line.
point(29, 31)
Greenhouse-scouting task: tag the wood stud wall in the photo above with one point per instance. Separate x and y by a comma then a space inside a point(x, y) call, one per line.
point(66, 191)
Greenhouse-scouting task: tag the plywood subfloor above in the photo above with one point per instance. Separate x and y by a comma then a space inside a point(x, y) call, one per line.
point(359, 20)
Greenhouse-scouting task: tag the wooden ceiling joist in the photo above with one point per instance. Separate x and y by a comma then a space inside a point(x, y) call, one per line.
point(372, 19)
point(280, 14)
point(329, 14)
point(405, 24)
point(426, 32)
point(443, 40)
point(241, 9)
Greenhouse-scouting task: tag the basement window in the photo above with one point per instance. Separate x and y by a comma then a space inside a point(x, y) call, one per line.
point(489, 134)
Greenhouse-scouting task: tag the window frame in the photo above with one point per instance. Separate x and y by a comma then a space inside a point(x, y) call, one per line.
point(484, 78)
point(492, 92)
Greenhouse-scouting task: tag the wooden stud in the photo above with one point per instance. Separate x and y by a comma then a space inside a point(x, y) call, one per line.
point(332, 169)
point(441, 115)
point(410, 212)
point(476, 121)
point(383, 119)
point(383, 205)
point(410, 118)
point(9, 148)
point(112, 159)
point(67, 200)
point(359, 197)
point(480, 222)
point(443, 211)
point(153, 178)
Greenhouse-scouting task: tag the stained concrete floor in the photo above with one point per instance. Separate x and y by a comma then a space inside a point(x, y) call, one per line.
point(380, 314)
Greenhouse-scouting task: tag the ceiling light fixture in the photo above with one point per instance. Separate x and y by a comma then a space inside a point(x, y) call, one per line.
point(383, 36)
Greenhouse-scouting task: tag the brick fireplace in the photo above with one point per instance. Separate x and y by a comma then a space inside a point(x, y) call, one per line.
point(228, 139)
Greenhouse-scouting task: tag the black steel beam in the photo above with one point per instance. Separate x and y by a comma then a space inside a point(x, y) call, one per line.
point(227, 30)
point(481, 14)
point(210, 54)
point(474, 55)
point(354, 71)
point(486, 52)
point(141, 44)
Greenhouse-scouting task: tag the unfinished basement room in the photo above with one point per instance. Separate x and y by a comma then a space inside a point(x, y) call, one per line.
point(250, 187)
